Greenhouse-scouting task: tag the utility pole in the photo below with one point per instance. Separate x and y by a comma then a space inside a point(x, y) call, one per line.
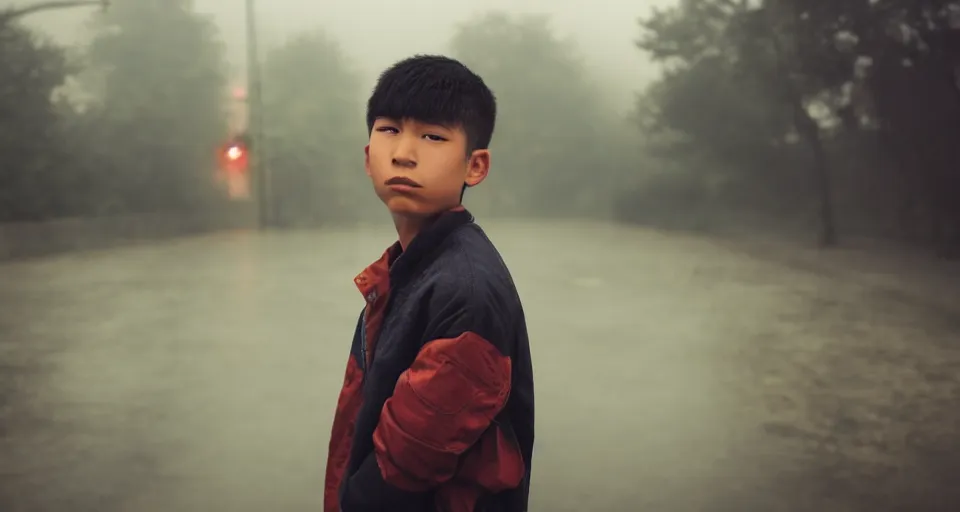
point(255, 119)
point(18, 12)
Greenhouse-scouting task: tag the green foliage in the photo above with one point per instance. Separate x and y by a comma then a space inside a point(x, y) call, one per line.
point(157, 71)
point(30, 132)
point(718, 108)
point(777, 100)
point(313, 129)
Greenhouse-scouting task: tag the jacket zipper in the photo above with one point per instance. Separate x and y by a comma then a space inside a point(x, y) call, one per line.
point(363, 342)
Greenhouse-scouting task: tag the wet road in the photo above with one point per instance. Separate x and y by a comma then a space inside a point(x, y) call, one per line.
point(673, 375)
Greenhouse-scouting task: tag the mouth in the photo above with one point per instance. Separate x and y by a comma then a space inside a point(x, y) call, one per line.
point(402, 181)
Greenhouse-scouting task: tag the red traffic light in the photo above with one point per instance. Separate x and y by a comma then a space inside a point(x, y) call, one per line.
point(233, 157)
point(234, 153)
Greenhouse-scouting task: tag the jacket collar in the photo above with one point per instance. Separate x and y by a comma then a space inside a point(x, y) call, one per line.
point(395, 266)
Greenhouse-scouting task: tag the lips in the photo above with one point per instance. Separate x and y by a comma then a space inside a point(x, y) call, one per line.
point(401, 180)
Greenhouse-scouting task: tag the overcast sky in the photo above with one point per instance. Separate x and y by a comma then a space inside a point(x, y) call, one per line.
point(377, 32)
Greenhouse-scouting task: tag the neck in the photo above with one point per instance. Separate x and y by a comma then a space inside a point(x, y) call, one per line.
point(408, 227)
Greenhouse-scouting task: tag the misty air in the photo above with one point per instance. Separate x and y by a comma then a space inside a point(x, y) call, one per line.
point(717, 240)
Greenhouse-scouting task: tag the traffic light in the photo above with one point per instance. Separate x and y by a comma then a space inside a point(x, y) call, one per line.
point(234, 156)
point(234, 172)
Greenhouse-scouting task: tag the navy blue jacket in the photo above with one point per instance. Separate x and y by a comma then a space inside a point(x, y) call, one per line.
point(436, 410)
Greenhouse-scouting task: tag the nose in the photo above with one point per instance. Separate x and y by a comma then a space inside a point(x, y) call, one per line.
point(405, 153)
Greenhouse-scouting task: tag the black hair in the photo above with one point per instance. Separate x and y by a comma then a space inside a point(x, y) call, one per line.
point(438, 90)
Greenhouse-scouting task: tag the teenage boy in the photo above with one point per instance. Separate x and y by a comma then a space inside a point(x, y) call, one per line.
point(436, 410)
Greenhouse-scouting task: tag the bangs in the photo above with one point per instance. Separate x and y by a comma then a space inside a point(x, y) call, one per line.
point(428, 102)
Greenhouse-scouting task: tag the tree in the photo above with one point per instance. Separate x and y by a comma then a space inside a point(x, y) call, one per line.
point(741, 81)
point(805, 68)
point(313, 130)
point(31, 154)
point(912, 90)
point(555, 149)
point(157, 73)
point(864, 83)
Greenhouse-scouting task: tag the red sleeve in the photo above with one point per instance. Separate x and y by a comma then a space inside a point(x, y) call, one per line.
point(440, 407)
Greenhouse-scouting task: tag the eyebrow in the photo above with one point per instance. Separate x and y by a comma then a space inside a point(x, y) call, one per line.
point(394, 120)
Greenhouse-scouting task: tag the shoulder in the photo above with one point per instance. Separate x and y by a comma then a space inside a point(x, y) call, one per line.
point(470, 287)
point(469, 268)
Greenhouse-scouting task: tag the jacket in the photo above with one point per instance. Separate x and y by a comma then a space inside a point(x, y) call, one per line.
point(436, 412)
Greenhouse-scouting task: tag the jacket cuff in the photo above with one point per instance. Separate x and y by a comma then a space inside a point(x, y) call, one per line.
point(367, 490)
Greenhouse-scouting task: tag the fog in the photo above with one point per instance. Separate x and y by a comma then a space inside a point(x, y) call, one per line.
point(605, 32)
point(733, 227)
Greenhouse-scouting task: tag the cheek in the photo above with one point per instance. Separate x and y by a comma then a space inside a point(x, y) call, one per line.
point(375, 162)
point(455, 166)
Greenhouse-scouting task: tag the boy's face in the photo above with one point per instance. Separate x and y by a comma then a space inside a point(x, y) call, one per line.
point(419, 169)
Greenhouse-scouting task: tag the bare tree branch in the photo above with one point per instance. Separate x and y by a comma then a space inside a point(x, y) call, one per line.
point(10, 15)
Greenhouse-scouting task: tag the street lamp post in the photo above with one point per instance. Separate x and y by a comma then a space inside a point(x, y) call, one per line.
point(255, 118)
point(13, 14)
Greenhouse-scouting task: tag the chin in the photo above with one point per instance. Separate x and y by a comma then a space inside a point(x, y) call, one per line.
point(408, 207)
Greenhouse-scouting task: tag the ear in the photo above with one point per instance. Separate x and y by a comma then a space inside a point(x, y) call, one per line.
point(478, 166)
point(366, 158)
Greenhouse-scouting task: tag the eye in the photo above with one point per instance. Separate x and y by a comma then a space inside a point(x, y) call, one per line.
point(434, 138)
point(387, 129)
